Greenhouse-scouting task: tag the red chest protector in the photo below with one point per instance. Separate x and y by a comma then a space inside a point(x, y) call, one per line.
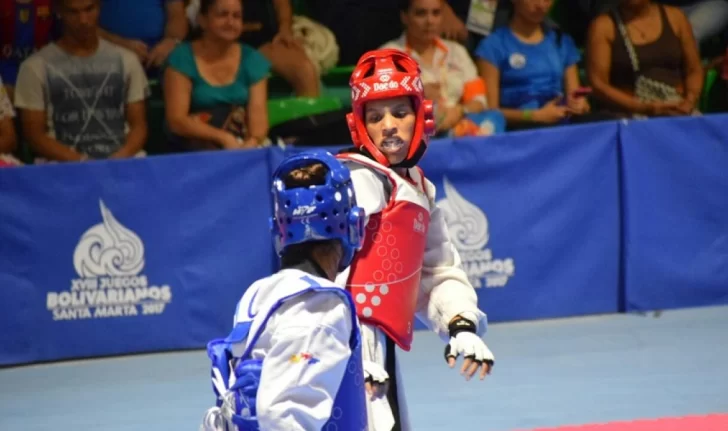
point(384, 278)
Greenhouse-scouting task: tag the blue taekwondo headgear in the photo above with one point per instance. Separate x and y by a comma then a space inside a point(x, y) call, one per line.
point(317, 213)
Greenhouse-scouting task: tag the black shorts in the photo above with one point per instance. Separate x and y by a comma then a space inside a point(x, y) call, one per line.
point(262, 12)
point(390, 365)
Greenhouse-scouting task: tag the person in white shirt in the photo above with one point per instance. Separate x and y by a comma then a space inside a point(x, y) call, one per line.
point(293, 359)
point(449, 75)
point(407, 266)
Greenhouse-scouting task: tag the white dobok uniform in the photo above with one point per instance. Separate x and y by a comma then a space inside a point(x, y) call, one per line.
point(304, 343)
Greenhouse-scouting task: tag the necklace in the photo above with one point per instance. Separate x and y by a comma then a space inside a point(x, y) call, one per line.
point(640, 32)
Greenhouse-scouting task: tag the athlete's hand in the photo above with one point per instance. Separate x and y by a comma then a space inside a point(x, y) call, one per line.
point(452, 27)
point(286, 38)
point(158, 55)
point(376, 379)
point(552, 112)
point(464, 341)
point(137, 47)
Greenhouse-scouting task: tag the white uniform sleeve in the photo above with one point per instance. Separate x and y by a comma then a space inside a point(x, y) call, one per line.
point(6, 105)
point(192, 10)
point(368, 188)
point(30, 88)
point(445, 289)
point(304, 368)
point(135, 78)
point(462, 58)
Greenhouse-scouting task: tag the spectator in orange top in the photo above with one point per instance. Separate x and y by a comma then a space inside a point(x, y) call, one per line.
point(449, 75)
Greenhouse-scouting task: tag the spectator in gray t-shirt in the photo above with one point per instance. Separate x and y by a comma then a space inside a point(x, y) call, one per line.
point(82, 97)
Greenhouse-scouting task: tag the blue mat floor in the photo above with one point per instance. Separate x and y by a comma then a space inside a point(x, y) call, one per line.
point(548, 373)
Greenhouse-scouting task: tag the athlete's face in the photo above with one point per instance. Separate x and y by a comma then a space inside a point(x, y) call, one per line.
point(224, 20)
point(80, 18)
point(634, 4)
point(391, 124)
point(423, 19)
point(533, 11)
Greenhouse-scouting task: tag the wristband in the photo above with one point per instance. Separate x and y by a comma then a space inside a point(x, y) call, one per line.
point(528, 114)
point(461, 325)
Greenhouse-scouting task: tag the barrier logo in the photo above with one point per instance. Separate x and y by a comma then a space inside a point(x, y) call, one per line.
point(468, 228)
point(109, 260)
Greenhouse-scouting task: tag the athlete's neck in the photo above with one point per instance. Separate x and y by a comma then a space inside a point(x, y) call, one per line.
point(635, 12)
point(317, 267)
point(78, 47)
point(326, 261)
point(420, 46)
point(527, 30)
point(212, 48)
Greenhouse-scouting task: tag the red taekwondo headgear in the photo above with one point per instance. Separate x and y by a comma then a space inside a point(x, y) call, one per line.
point(385, 74)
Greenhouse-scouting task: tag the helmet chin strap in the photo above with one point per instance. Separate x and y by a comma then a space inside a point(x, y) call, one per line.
point(412, 161)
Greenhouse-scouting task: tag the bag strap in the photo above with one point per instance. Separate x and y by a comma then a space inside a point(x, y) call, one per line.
point(627, 42)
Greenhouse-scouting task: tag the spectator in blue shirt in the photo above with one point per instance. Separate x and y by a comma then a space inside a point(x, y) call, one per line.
point(149, 28)
point(530, 69)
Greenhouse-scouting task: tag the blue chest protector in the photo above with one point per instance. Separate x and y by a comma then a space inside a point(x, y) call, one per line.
point(349, 410)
